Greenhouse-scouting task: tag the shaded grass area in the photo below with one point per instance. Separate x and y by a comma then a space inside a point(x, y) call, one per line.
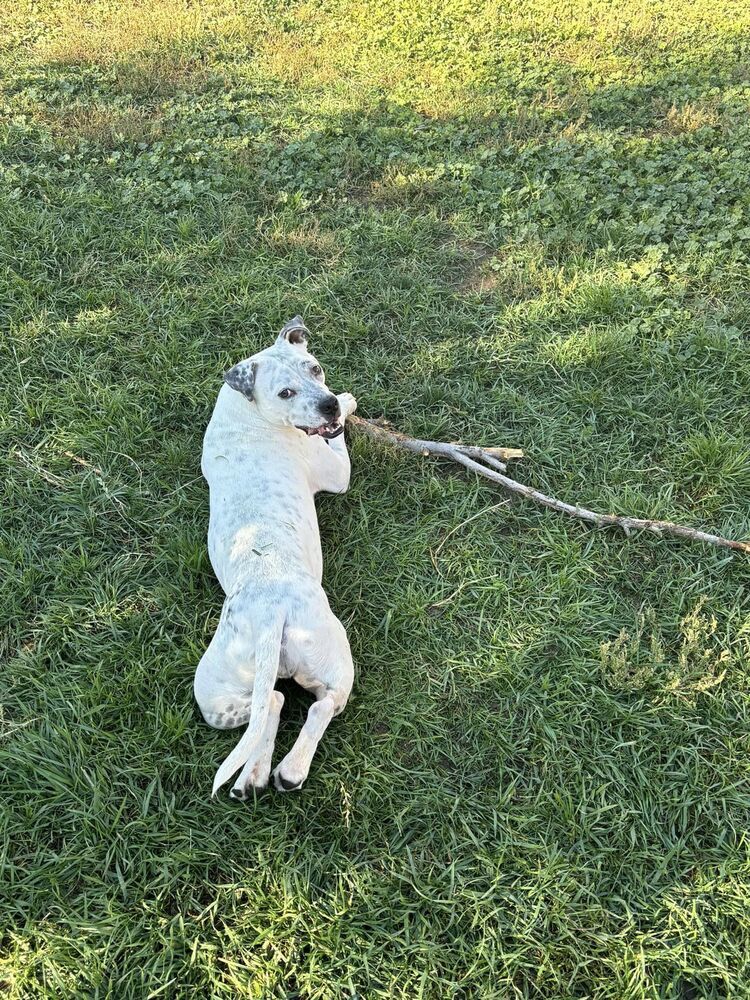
point(523, 225)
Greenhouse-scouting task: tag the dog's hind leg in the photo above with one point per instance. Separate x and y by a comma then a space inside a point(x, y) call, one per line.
point(256, 772)
point(295, 767)
point(324, 666)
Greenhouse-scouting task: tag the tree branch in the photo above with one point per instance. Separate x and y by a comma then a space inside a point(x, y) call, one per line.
point(488, 462)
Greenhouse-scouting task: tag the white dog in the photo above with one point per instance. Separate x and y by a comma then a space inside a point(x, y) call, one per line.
point(275, 439)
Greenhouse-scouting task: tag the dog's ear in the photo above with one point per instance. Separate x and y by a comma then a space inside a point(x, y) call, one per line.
point(294, 332)
point(242, 377)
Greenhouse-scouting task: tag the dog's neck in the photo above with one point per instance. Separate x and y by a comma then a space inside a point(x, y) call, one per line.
point(245, 418)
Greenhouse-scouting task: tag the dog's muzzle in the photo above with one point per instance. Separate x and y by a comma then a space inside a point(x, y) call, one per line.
point(330, 409)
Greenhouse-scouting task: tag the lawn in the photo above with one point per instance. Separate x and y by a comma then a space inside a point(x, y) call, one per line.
point(513, 223)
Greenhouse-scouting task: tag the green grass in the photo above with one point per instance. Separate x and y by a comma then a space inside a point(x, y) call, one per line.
point(511, 223)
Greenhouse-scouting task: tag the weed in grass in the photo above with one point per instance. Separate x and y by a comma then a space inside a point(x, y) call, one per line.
point(630, 662)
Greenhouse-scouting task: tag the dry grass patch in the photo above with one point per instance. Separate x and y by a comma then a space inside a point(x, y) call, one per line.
point(161, 74)
point(105, 32)
point(476, 278)
point(103, 124)
point(690, 117)
point(292, 58)
point(154, 49)
point(317, 243)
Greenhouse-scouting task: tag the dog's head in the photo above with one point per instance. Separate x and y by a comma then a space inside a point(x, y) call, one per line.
point(287, 384)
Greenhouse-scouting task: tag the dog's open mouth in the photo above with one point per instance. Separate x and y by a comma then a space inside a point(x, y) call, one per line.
point(326, 431)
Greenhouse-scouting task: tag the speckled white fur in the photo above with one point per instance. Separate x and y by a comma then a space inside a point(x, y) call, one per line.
point(264, 545)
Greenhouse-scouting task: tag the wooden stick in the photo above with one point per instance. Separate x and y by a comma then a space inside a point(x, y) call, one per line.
point(493, 468)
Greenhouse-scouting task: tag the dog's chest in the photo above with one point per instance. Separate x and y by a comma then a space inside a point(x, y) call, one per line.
point(261, 528)
point(263, 523)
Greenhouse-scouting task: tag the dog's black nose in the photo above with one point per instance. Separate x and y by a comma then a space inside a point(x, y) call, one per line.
point(329, 407)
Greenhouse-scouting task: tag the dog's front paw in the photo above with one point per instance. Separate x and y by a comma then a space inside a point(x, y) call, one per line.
point(348, 404)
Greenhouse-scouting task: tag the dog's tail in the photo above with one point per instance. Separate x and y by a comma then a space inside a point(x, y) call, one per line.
point(267, 651)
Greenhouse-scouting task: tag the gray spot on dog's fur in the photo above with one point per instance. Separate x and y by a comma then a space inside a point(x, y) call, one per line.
point(242, 377)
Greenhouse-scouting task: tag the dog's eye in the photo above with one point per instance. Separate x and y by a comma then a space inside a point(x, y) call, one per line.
point(287, 393)
point(316, 370)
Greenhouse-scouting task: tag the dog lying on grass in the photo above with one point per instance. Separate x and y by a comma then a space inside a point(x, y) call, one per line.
point(274, 440)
